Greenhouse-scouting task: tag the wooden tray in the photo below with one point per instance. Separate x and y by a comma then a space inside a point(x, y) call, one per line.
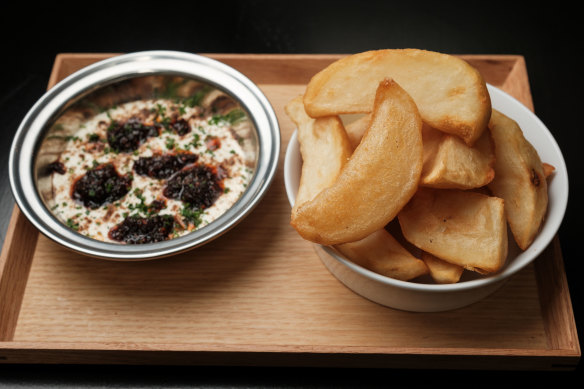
point(259, 295)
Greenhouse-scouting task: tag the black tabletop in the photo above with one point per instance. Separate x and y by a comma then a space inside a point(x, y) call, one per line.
point(545, 35)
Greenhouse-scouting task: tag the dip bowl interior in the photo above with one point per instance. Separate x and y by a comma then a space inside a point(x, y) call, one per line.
point(174, 76)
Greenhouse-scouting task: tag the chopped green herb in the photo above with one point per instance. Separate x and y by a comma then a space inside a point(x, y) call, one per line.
point(195, 141)
point(231, 117)
point(170, 143)
point(192, 215)
point(141, 206)
point(72, 224)
point(197, 97)
point(158, 110)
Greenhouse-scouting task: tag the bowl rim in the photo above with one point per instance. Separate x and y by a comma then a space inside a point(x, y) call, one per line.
point(506, 272)
point(112, 70)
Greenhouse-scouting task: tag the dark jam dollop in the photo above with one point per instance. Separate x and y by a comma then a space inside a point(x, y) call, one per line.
point(57, 167)
point(128, 136)
point(181, 127)
point(199, 186)
point(163, 166)
point(101, 185)
point(156, 206)
point(137, 230)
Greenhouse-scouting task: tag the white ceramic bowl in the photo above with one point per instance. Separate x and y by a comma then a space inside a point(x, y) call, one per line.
point(421, 297)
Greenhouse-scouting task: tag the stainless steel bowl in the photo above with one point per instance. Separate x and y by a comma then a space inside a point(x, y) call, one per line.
point(32, 151)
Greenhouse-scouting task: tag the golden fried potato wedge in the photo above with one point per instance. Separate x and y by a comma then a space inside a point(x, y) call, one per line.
point(324, 147)
point(377, 181)
point(520, 179)
point(382, 254)
point(356, 129)
point(461, 227)
point(451, 95)
point(548, 169)
point(442, 272)
point(449, 163)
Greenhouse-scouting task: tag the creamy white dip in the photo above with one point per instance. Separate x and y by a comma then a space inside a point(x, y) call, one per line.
point(211, 137)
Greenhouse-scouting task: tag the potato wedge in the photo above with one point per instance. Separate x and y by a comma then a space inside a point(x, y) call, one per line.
point(382, 254)
point(450, 94)
point(520, 179)
point(377, 181)
point(449, 163)
point(324, 147)
point(548, 169)
point(461, 227)
point(442, 272)
point(356, 129)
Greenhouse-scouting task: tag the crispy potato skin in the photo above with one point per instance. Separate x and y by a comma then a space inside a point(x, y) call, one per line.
point(520, 179)
point(450, 94)
point(377, 181)
point(449, 163)
point(324, 147)
point(382, 253)
point(356, 130)
point(461, 227)
point(548, 170)
point(442, 272)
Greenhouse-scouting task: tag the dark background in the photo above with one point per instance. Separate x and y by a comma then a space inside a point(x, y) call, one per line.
point(548, 38)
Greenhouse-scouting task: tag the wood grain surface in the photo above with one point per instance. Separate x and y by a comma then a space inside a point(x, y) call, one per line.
point(259, 294)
